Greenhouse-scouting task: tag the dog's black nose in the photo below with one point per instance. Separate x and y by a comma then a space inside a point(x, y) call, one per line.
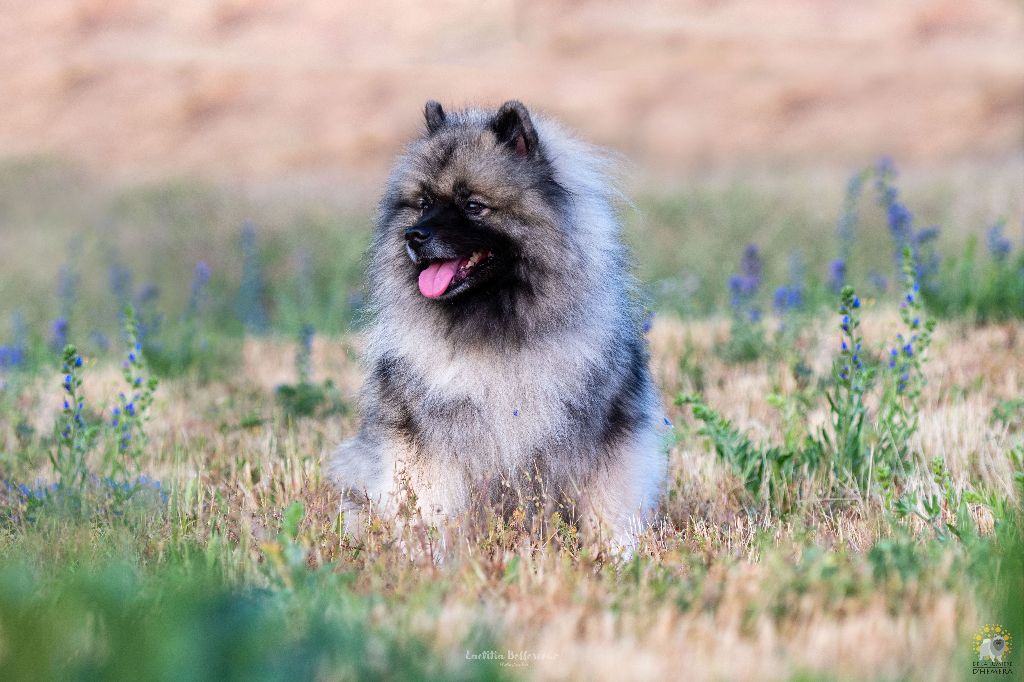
point(417, 236)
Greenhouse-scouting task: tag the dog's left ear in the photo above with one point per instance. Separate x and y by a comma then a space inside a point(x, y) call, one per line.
point(434, 115)
point(514, 129)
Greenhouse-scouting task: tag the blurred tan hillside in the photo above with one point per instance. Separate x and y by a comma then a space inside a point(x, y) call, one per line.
point(250, 91)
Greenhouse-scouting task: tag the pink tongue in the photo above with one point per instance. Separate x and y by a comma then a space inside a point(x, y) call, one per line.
point(435, 279)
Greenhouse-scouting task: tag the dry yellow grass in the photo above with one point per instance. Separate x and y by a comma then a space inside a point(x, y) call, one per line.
point(725, 590)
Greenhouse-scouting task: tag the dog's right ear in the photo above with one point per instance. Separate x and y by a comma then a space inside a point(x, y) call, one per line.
point(514, 129)
point(434, 115)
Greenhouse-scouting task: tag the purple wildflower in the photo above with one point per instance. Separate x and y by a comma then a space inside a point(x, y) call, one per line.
point(59, 334)
point(837, 274)
point(787, 298)
point(999, 246)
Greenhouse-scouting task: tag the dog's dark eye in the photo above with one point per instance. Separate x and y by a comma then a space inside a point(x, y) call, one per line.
point(425, 203)
point(475, 208)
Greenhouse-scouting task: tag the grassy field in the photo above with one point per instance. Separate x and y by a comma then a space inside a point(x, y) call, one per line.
point(844, 502)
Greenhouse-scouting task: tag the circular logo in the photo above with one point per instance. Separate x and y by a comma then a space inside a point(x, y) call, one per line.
point(993, 643)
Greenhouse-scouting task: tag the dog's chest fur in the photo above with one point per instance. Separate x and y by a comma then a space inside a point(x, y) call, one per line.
point(487, 410)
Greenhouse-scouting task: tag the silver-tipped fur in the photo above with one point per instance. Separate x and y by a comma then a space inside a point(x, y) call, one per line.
point(506, 361)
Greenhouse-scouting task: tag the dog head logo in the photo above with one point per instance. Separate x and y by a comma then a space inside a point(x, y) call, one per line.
point(993, 643)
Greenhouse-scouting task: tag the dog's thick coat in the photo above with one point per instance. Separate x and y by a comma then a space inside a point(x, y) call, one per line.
point(526, 382)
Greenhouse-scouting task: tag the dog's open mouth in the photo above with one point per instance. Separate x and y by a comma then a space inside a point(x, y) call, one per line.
point(442, 276)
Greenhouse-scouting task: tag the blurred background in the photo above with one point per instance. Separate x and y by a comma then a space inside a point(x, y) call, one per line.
point(140, 139)
point(258, 91)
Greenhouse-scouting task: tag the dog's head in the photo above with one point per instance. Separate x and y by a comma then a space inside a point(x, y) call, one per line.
point(474, 209)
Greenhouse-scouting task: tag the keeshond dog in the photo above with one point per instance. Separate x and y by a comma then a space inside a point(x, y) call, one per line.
point(507, 366)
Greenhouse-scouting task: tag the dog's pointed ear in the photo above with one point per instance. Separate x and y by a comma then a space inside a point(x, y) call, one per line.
point(514, 129)
point(435, 116)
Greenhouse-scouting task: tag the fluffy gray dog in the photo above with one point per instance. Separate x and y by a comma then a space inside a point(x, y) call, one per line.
point(506, 362)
